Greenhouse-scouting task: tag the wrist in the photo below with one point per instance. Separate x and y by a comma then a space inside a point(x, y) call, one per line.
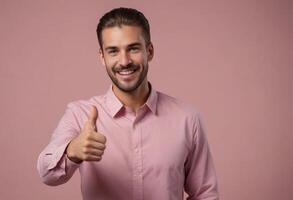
point(71, 155)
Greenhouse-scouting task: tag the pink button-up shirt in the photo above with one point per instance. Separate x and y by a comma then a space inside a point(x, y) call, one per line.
point(155, 154)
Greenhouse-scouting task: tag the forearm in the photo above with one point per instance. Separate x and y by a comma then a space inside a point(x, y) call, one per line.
point(54, 167)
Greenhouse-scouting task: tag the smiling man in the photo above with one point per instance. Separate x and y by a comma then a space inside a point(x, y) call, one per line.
point(133, 142)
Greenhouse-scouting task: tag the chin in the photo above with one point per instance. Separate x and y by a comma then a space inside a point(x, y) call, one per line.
point(127, 88)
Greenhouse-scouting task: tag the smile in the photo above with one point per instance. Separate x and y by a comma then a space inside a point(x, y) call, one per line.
point(126, 72)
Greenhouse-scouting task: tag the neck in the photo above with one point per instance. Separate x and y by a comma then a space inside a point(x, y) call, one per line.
point(134, 99)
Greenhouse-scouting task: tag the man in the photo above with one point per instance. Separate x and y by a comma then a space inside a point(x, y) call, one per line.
point(133, 142)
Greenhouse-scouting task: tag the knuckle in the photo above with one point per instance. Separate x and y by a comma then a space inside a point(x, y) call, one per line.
point(103, 146)
point(99, 153)
point(84, 150)
point(87, 143)
point(104, 139)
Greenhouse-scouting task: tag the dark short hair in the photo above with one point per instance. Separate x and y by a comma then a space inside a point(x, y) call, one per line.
point(124, 16)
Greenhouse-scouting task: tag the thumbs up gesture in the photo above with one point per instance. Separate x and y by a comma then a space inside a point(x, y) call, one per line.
point(89, 145)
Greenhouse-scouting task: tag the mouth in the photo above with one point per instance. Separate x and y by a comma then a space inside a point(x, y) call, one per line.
point(127, 74)
point(126, 71)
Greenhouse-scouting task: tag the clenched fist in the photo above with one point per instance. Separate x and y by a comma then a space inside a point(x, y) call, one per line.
point(89, 145)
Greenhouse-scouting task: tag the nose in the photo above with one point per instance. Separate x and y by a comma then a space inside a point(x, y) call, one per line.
point(124, 59)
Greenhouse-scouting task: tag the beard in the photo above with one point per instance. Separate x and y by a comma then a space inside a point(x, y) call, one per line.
point(138, 81)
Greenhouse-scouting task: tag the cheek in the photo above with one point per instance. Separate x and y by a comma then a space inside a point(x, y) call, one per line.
point(139, 59)
point(110, 62)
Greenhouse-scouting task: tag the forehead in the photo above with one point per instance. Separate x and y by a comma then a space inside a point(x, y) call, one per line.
point(122, 36)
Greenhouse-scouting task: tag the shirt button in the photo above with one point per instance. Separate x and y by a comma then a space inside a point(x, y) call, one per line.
point(136, 150)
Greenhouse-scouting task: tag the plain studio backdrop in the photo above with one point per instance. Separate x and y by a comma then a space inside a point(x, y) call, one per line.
point(231, 59)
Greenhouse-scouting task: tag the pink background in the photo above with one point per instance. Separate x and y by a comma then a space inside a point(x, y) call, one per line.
point(231, 59)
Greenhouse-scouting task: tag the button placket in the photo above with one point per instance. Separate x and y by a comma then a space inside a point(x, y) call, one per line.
point(137, 164)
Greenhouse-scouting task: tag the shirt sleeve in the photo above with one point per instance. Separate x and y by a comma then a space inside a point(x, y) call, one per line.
point(53, 165)
point(200, 179)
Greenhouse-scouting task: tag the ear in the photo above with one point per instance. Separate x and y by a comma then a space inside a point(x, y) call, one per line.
point(150, 51)
point(101, 56)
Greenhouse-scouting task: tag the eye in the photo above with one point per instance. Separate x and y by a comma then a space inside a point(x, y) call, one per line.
point(134, 49)
point(113, 52)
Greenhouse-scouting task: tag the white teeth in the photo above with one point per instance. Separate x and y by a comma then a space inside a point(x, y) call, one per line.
point(126, 72)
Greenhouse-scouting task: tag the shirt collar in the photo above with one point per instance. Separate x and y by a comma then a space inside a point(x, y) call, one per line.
point(152, 100)
point(114, 105)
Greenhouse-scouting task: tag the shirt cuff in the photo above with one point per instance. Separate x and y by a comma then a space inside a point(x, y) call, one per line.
point(58, 157)
point(70, 164)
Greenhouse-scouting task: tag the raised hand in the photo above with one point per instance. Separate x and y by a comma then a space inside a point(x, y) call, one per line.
point(89, 145)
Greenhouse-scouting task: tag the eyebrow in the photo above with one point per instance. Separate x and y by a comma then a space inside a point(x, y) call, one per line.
point(130, 45)
point(135, 44)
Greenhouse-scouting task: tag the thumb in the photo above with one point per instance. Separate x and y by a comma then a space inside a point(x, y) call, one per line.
point(91, 123)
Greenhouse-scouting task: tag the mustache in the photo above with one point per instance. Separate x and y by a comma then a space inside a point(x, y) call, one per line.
point(130, 66)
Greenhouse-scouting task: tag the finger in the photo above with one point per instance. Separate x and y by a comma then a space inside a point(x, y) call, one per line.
point(98, 137)
point(95, 152)
point(91, 122)
point(97, 145)
point(93, 118)
point(92, 158)
point(93, 115)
